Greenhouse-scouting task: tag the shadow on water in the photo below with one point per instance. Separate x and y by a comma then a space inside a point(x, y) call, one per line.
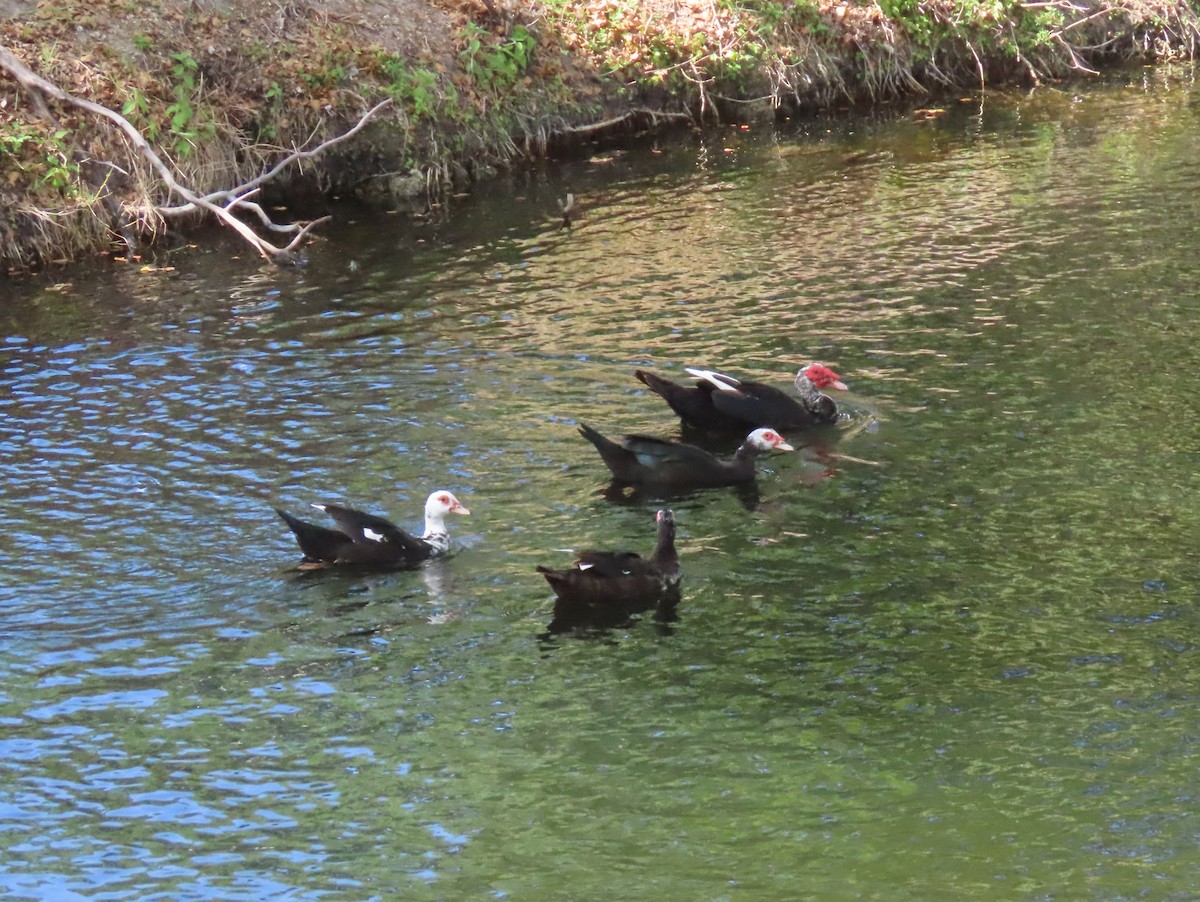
point(641, 497)
point(662, 615)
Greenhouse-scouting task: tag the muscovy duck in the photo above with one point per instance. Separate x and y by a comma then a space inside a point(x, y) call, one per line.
point(605, 588)
point(641, 460)
point(366, 540)
point(720, 403)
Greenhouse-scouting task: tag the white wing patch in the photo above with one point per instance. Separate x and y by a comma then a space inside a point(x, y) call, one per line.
point(372, 534)
point(723, 382)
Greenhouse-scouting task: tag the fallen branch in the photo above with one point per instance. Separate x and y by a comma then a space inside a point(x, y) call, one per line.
point(221, 204)
point(234, 196)
point(618, 120)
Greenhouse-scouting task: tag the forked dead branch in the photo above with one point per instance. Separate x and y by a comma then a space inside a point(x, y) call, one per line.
point(222, 204)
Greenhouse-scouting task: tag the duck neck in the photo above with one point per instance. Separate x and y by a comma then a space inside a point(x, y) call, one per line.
point(808, 392)
point(435, 530)
point(810, 396)
point(664, 551)
point(747, 452)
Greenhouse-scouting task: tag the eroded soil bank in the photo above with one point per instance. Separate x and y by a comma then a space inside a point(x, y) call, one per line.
point(222, 90)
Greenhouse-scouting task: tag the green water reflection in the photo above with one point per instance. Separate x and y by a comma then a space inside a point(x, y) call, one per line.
point(949, 654)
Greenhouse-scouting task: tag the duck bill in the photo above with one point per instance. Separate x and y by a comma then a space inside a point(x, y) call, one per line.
point(784, 446)
point(839, 385)
point(459, 508)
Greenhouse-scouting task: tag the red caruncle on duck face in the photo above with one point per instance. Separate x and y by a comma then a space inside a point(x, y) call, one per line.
point(823, 377)
point(446, 503)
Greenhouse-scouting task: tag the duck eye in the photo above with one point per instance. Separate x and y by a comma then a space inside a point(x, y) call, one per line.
point(444, 499)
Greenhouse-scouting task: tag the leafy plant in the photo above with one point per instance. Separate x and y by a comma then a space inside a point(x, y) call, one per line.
point(15, 138)
point(417, 89)
point(185, 122)
point(44, 156)
point(496, 66)
point(60, 170)
point(136, 109)
point(269, 128)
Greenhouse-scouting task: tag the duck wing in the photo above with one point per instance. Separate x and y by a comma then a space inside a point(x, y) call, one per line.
point(737, 403)
point(693, 404)
point(675, 464)
point(759, 404)
point(610, 564)
point(367, 529)
point(587, 596)
point(656, 453)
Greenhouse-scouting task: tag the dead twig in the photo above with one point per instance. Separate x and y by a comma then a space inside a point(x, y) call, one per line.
point(592, 128)
point(221, 204)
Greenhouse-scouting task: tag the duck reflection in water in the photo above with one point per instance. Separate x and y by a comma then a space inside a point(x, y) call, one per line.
point(626, 495)
point(401, 605)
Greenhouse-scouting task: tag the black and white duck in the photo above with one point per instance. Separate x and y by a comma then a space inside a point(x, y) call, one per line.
point(720, 403)
point(605, 588)
point(660, 463)
point(366, 540)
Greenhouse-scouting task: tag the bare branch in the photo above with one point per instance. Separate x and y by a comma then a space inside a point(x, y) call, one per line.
point(232, 199)
point(617, 120)
point(320, 148)
point(304, 231)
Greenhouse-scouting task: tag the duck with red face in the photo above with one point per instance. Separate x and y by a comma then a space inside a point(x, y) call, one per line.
point(720, 403)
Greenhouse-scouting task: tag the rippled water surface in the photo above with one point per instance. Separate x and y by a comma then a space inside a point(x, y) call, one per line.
point(950, 653)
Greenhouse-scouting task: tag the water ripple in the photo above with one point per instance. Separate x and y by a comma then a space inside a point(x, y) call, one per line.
point(961, 620)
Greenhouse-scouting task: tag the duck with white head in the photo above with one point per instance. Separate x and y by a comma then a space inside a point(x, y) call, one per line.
point(366, 540)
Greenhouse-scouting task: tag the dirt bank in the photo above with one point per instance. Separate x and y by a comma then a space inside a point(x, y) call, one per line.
point(221, 90)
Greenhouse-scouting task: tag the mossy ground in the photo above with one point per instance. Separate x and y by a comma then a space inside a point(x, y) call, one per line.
point(222, 88)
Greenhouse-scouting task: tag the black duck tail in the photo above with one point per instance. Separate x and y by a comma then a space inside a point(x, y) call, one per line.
point(316, 542)
point(620, 462)
point(603, 445)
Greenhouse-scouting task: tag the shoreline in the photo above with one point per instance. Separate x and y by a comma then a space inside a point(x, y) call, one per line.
point(441, 95)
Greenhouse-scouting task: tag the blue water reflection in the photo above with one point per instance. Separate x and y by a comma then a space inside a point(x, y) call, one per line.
point(945, 651)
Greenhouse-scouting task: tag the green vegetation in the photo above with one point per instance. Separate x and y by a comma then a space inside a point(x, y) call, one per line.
point(45, 156)
point(496, 66)
point(223, 93)
point(419, 91)
point(811, 51)
point(185, 118)
point(190, 121)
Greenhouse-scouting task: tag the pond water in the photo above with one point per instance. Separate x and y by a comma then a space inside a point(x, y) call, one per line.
point(950, 653)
